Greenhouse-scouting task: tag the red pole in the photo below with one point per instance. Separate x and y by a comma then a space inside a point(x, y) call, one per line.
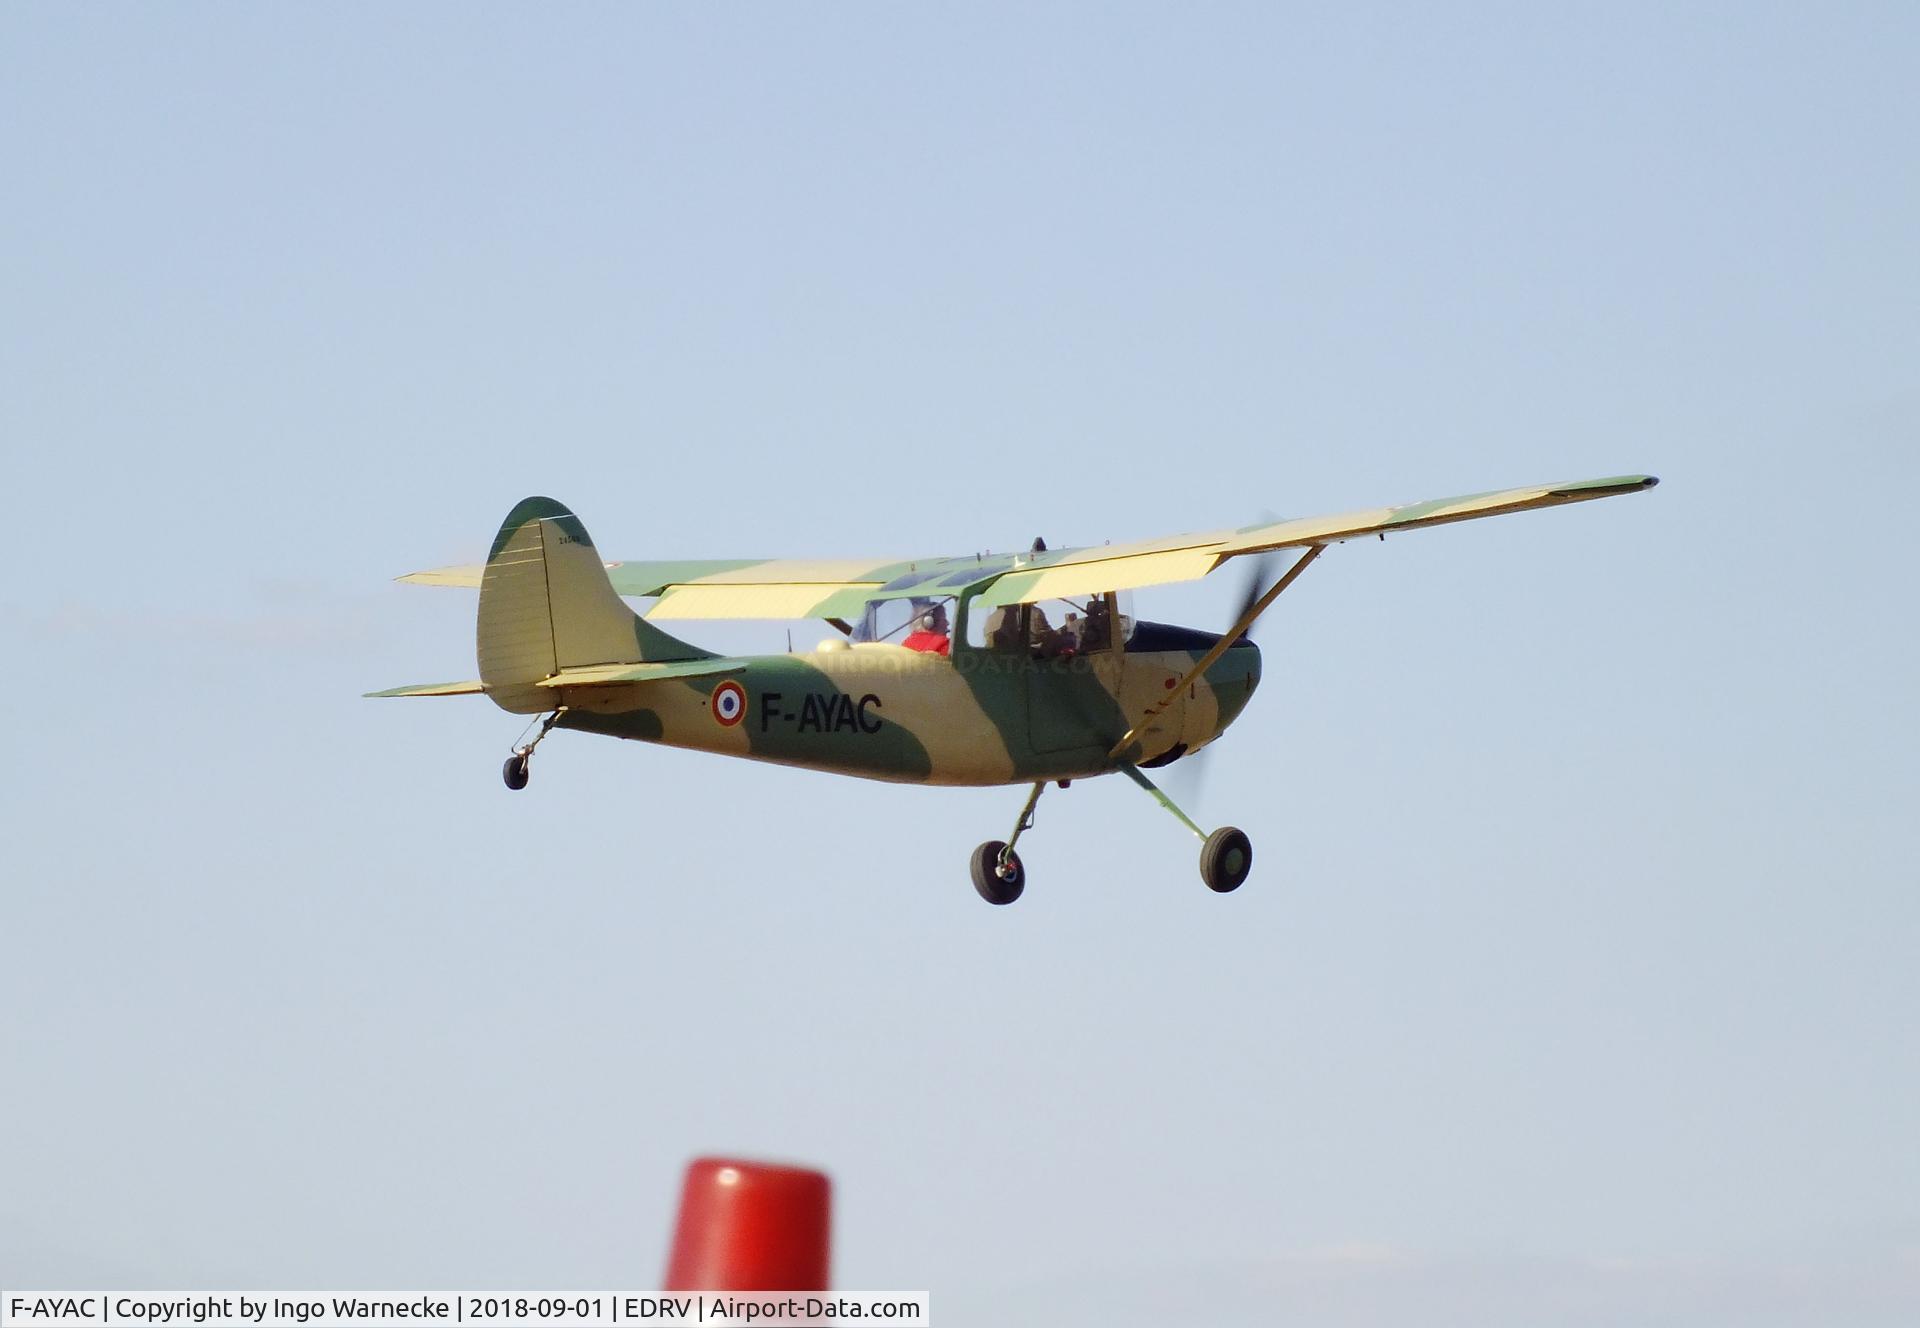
point(751, 1226)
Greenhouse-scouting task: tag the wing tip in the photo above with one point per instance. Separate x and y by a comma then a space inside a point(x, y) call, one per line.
point(1605, 488)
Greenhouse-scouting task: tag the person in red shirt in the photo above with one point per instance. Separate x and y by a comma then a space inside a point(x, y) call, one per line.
point(930, 633)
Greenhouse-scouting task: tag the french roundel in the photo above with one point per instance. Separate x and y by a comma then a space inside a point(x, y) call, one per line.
point(729, 703)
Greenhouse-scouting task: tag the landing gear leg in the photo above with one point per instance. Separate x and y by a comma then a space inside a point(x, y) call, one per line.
point(515, 772)
point(997, 872)
point(1226, 855)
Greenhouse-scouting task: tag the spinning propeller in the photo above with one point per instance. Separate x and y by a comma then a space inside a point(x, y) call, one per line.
point(1263, 570)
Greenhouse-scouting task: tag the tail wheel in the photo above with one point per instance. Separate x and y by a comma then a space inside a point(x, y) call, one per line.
point(1226, 859)
point(997, 883)
point(514, 772)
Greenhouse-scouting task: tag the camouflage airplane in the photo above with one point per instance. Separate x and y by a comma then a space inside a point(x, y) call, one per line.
point(945, 670)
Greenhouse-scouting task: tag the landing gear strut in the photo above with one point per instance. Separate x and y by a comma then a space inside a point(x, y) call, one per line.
point(515, 772)
point(997, 871)
point(1226, 855)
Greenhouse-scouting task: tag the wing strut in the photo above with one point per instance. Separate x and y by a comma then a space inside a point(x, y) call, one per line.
point(1221, 646)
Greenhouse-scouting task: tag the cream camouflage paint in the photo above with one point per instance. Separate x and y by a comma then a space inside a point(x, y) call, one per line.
point(556, 637)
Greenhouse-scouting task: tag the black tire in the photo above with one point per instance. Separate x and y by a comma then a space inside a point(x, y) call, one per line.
point(993, 887)
point(514, 772)
point(1226, 859)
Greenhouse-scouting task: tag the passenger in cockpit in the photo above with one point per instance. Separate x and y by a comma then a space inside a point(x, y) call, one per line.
point(1003, 628)
point(1096, 631)
point(1046, 640)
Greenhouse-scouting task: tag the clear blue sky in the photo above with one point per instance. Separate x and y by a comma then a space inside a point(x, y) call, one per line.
point(1576, 979)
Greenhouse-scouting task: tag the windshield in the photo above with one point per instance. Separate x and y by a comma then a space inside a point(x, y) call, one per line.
point(900, 620)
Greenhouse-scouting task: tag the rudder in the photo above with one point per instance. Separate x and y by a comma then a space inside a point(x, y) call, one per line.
point(546, 605)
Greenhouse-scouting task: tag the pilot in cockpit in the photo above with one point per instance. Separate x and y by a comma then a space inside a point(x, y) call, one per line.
point(930, 634)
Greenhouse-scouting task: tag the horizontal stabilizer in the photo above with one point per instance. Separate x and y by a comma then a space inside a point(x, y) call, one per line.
point(599, 675)
point(467, 577)
point(471, 687)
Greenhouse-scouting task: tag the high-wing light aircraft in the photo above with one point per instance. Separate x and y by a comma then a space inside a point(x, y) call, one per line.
point(981, 669)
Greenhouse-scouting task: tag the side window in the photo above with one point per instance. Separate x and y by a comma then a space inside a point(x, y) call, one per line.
point(1003, 628)
point(1049, 628)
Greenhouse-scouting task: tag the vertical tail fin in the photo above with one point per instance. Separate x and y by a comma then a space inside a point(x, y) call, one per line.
point(546, 605)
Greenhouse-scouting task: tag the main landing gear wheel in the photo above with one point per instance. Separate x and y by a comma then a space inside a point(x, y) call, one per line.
point(1226, 859)
point(997, 884)
point(514, 772)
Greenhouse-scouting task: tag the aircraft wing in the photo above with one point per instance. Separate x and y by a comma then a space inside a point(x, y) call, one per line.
point(1188, 557)
point(727, 588)
point(800, 588)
